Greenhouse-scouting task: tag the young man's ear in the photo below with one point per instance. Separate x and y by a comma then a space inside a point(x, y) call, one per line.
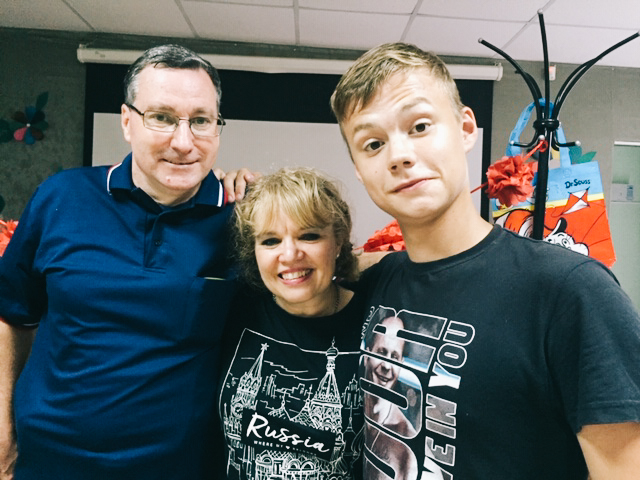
point(469, 128)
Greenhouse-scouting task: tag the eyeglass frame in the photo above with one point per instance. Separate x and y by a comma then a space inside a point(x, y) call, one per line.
point(219, 121)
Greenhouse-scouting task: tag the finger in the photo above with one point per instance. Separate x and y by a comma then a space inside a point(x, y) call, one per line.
point(219, 173)
point(228, 183)
point(241, 187)
point(244, 178)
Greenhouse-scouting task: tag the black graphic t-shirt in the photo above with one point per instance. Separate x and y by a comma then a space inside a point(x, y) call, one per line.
point(290, 404)
point(487, 364)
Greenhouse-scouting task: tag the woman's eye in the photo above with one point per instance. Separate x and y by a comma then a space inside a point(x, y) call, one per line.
point(269, 242)
point(310, 237)
point(373, 146)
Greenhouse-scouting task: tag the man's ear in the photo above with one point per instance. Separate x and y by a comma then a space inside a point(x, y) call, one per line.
point(125, 122)
point(469, 128)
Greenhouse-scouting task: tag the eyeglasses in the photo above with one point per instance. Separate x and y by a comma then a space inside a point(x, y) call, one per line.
point(201, 126)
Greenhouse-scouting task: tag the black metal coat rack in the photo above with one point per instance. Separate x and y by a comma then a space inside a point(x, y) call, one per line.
point(547, 122)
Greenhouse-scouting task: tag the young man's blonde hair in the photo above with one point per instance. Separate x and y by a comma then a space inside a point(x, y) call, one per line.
point(308, 198)
point(362, 81)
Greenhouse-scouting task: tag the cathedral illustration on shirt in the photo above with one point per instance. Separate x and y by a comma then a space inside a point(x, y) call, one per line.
point(285, 422)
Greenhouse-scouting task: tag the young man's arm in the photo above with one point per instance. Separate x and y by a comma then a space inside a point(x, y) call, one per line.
point(611, 450)
point(15, 345)
point(236, 182)
point(367, 259)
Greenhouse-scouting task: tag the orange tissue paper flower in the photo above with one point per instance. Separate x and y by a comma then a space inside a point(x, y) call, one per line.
point(389, 239)
point(510, 180)
point(6, 232)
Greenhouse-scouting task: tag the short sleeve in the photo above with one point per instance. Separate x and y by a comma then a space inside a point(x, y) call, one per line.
point(593, 349)
point(22, 287)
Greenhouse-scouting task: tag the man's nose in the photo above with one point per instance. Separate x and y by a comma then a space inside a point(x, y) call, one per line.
point(182, 139)
point(401, 151)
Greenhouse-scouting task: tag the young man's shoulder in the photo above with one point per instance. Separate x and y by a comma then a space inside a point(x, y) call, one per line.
point(501, 251)
point(546, 253)
point(389, 261)
point(537, 265)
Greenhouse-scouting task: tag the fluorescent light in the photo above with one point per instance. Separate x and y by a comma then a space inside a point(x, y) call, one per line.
point(279, 64)
point(476, 72)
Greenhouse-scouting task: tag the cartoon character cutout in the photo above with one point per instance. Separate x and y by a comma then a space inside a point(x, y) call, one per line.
point(559, 236)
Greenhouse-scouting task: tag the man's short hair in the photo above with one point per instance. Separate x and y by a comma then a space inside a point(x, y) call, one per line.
point(168, 56)
point(362, 80)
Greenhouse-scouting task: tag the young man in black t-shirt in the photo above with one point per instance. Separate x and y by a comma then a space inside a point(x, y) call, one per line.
point(521, 358)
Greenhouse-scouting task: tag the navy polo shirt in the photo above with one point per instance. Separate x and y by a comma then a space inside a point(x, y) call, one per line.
point(130, 299)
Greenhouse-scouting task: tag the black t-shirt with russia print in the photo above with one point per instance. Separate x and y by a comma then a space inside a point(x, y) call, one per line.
point(290, 404)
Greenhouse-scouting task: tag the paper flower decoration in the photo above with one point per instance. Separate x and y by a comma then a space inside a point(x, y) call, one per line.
point(389, 239)
point(6, 232)
point(510, 180)
point(31, 123)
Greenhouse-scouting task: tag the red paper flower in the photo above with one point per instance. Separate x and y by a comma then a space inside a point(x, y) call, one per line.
point(6, 232)
point(509, 180)
point(389, 239)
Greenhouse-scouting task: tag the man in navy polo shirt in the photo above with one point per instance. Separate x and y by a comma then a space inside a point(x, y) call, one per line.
point(125, 272)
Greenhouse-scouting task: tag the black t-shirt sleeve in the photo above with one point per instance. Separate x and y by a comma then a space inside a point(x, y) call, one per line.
point(593, 349)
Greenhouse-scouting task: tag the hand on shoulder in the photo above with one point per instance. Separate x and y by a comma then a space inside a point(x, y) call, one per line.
point(235, 182)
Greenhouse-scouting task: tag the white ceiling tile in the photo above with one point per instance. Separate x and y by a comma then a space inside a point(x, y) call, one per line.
point(626, 56)
point(268, 3)
point(50, 14)
point(140, 17)
point(575, 45)
point(510, 10)
point(362, 6)
point(242, 23)
point(446, 36)
point(597, 13)
point(349, 30)
point(449, 27)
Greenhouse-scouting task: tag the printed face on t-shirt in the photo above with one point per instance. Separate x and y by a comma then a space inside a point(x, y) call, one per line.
point(390, 346)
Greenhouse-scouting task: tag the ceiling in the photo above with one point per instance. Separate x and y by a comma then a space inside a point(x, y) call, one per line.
point(577, 30)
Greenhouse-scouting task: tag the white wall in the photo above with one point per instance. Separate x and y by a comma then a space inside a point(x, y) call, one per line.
point(624, 218)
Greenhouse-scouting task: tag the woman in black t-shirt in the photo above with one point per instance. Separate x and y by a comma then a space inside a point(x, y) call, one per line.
point(290, 404)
